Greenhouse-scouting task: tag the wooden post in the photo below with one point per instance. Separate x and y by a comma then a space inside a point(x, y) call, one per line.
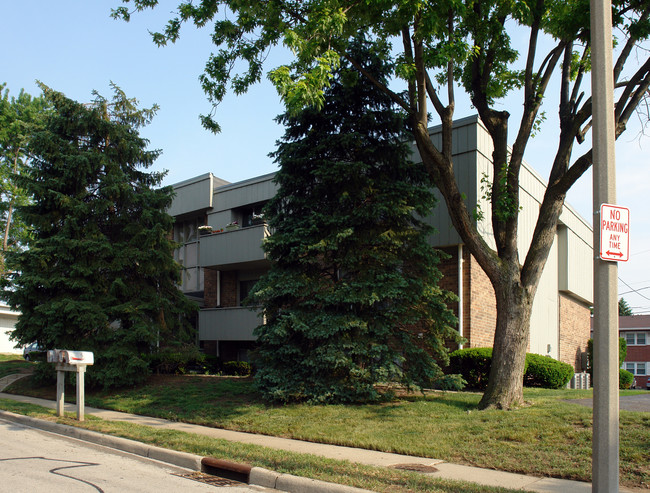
point(60, 392)
point(81, 372)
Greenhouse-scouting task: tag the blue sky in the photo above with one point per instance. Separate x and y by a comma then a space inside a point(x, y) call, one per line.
point(74, 46)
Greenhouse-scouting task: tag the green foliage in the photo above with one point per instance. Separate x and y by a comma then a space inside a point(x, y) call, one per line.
point(437, 48)
point(98, 274)
point(622, 353)
point(539, 371)
point(176, 359)
point(351, 299)
point(624, 309)
point(20, 117)
point(237, 368)
point(625, 379)
point(546, 372)
point(473, 364)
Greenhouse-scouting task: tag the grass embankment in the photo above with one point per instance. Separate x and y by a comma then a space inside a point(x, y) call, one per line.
point(549, 437)
point(13, 363)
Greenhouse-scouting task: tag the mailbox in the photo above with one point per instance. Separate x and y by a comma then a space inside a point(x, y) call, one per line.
point(70, 357)
point(67, 360)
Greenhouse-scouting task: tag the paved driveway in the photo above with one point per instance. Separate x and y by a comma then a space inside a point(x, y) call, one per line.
point(640, 402)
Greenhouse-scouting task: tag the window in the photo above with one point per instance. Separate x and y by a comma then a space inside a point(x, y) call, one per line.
point(245, 287)
point(636, 368)
point(635, 338)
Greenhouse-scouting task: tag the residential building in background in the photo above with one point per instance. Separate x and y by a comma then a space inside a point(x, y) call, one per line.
point(220, 229)
point(635, 329)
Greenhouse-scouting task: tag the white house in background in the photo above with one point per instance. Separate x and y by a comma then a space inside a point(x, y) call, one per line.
point(7, 322)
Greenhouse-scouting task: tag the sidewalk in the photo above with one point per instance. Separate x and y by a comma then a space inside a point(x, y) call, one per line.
point(444, 470)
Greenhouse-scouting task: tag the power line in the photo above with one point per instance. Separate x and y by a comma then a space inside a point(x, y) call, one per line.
point(634, 290)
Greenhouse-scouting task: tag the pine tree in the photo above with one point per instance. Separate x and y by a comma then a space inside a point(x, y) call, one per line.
point(98, 274)
point(351, 299)
point(624, 308)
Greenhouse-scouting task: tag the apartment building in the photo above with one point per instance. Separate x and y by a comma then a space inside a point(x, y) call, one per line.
point(220, 228)
point(635, 329)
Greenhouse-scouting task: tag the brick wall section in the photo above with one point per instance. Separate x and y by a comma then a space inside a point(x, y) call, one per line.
point(228, 288)
point(638, 354)
point(575, 320)
point(482, 311)
point(210, 288)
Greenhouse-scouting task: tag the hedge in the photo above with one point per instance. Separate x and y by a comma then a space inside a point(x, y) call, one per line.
point(473, 365)
point(546, 372)
point(625, 379)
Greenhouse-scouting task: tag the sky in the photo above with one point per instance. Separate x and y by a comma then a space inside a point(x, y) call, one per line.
point(75, 47)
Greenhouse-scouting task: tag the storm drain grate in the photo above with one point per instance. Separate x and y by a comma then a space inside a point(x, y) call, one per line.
point(209, 479)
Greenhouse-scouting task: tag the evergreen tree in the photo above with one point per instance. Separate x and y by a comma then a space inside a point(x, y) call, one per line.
point(351, 298)
point(624, 308)
point(98, 274)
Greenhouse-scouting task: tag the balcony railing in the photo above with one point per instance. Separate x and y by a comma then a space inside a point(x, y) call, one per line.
point(228, 324)
point(239, 246)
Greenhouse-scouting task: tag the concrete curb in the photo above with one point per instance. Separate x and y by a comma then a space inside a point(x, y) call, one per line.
point(256, 475)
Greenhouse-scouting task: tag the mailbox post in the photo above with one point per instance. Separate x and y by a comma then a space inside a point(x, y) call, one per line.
point(66, 360)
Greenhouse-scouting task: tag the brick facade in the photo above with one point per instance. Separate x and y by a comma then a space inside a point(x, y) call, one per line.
point(228, 288)
point(482, 306)
point(479, 309)
point(575, 320)
point(210, 288)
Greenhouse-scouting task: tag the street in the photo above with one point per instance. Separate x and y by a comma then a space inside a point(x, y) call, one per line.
point(33, 460)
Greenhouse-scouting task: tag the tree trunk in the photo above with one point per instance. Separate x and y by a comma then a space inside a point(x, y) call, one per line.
point(514, 307)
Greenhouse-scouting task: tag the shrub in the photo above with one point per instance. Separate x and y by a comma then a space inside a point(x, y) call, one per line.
point(177, 360)
point(473, 364)
point(625, 379)
point(546, 372)
point(622, 353)
point(237, 368)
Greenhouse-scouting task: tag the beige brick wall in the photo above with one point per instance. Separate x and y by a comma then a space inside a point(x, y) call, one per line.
point(482, 306)
point(575, 320)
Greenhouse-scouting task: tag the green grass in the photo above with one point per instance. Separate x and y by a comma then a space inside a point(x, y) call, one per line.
point(343, 472)
point(13, 363)
point(548, 437)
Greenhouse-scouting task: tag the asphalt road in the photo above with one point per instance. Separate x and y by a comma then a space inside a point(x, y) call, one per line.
point(34, 460)
point(640, 402)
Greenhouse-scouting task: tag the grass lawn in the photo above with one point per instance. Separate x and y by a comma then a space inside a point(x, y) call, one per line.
point(548, 437)
point(13, 363)
point(379, 479)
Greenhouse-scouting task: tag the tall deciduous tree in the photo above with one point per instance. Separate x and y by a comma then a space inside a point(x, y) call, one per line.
point(439, 47)
point(351, 299)
point(20, 117)
point(98, 273)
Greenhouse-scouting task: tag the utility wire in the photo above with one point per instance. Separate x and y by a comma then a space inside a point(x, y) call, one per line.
point(633, 290)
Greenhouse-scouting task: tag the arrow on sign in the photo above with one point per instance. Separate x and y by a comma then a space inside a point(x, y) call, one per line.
point(614, 253)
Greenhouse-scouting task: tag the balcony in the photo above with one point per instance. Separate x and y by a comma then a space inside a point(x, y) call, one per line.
point(228, 324)
point(233, 249)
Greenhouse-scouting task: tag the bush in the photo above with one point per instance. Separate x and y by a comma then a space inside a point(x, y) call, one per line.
point(237, 368)
point(473, 364)
point(622, 353)
point(178, 360)
point(625, 379)
point(546, 372)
